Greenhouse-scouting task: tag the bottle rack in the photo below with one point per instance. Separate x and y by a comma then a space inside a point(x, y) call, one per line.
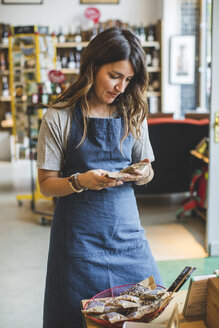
point(31, 55)
point(69, 53)
point(5, 94)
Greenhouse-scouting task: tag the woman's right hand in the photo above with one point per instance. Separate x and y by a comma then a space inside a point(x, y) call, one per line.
point(96, 180)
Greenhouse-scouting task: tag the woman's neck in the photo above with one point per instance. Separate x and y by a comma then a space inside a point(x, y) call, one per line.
point(100, 110)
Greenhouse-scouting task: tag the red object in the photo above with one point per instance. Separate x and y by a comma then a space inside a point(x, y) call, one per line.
point(198, 189)
point(92, 13)
point(56, 76)
point(115, 291)
point(169, 120)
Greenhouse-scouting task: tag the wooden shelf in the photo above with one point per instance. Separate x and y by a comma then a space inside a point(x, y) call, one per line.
point(5, 72)
point(151, 44)
point(29, 70)
point(76, 70)
point(146, 44)
point(5, 99)
point(3, 46)
point(72, 44)
point(70, 71)
point(152, 69)
point(154, 93)
point(7, 123)
point(200, 156)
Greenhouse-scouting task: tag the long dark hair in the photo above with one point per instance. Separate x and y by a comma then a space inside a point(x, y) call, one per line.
point(112, 45)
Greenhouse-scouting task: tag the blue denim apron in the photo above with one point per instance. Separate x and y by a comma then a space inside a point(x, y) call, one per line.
point(97, 241)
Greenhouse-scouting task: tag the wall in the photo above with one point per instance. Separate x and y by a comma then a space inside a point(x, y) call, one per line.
point(213, 182)
point(67, 13)
point(171, 26)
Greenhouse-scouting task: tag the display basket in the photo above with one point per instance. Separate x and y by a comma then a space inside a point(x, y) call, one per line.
point(116, 291)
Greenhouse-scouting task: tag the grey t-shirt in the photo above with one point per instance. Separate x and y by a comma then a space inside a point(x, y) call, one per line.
point(53, 138)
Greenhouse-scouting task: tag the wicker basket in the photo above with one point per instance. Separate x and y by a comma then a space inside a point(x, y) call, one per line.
point(116, 291)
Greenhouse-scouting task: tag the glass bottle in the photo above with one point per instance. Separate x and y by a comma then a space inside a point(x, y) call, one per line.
point(94, 31)
point(5, 39)
point(148, 59)
point(2, 62)
point(71, 61)
point(151, 36)
point(78, 59)
point(61, 36)
point(136, 31)
point(64, 61)
point(155, 58)
point(58, 63)
point(78, 37)
point(142, 34)
point(5, 88)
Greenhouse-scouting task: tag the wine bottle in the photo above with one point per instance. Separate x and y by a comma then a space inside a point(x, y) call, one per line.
point(153, 104)
point(78, 37)
point(71, 61)
point(148, 59)
point(78, 58)
point(151, 36)
point(5, 88)
point(142, 34)
point(64, 61)
point(5, 39)
point(136, 31)
point(2, 62)
point(155, 58)
point(61, 36)
point(94, 31)
point(58, 63)
point(58, 89)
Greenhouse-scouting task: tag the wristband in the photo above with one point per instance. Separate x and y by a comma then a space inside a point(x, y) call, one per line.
point(74, 184)
point(77, 182)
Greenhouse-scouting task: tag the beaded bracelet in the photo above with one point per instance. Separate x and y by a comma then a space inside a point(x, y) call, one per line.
point(77, 182)
point(74, 184)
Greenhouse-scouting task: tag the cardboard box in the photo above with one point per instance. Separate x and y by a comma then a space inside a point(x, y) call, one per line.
point(212, 313)
point(141, 325)
point(196, 299)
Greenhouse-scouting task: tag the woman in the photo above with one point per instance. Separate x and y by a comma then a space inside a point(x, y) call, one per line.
point(97, 125)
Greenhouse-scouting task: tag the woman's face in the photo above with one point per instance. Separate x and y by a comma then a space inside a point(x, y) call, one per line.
point(111, 80)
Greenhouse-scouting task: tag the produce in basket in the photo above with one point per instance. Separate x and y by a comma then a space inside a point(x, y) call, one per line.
point(127, 303)
point(141, 302)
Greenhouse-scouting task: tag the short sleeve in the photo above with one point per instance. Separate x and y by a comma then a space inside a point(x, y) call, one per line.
point(52, 139)
point(142, 147)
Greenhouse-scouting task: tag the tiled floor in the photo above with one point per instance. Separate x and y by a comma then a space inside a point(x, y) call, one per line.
point(24, 245)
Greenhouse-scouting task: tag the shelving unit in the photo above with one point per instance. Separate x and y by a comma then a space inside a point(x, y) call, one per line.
point(73, 51)
point(13, 106)
point(32, 55)
point(5, 100)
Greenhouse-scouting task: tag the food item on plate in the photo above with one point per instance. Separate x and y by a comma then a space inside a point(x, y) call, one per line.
point(145, 293)
point(143, 167)
point(95, 307)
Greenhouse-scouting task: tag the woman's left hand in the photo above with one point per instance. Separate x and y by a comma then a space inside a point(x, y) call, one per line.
point(140, 178)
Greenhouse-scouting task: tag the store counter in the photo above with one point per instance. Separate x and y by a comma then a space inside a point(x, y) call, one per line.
point(179, 298)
